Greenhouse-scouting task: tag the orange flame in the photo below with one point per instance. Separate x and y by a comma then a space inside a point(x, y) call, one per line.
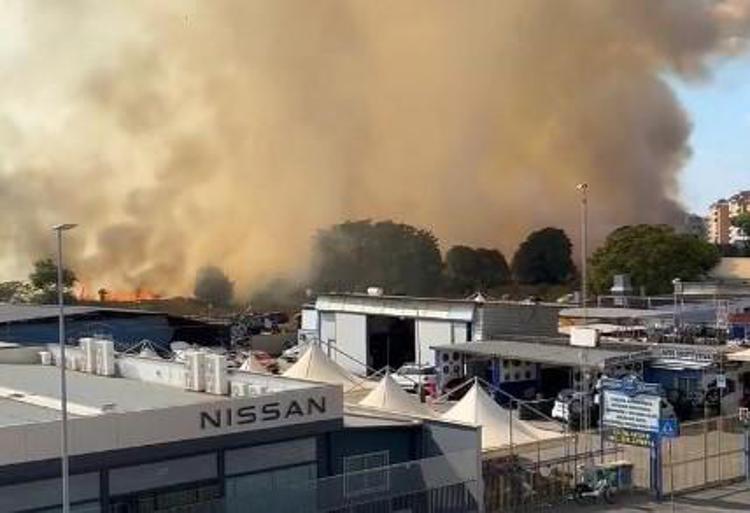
point(116, 296)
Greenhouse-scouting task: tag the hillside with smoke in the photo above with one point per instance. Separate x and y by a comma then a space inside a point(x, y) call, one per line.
point(181, 134)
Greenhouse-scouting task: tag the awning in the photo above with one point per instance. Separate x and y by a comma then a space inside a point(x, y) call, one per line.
point(539, 352)
point(739, 356)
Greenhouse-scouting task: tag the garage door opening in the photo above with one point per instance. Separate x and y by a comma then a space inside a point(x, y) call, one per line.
point(554, 379)
point(390, 341)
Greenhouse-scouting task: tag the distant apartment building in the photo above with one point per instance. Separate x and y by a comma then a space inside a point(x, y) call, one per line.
point(720, 228)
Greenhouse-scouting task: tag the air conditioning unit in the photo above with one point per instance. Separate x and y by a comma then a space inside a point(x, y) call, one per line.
point(195, 378)
point(88, 348)
point(71, 362)
point(217, 381)
point(46, 357)
point(253, 390)
point(105, 357)
point(240, 389)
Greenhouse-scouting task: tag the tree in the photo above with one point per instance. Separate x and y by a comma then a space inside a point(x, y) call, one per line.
point(44, 281)
point(653, 255)
point(742, 221)
point(544, 257)
point(213, 286)
point(468, 269)
point(400, 258)
point(15, 291)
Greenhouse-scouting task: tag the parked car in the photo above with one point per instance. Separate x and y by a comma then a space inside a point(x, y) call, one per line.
point(568, 408)
point(410, 375)
point(292, 353)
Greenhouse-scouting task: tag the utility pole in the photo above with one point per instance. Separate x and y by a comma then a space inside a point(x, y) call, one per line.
point(583, 378)
point(59, 229)
point(583, 189)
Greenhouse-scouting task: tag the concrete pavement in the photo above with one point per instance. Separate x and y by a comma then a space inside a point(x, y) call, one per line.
point(730, 498)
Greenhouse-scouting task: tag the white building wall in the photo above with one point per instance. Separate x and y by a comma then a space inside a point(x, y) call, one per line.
point(351, 340)
point(309, 319)
point(327, 328)
point(460, 332)
point(431, 333)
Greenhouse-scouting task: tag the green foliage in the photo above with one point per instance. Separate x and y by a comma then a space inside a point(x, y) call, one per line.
point(653, 255)
point(468, 269)
point(544, 257)
point(44, 281)
point(742, 221)
point(15, 291)
point(212, 286)
point(398, 257)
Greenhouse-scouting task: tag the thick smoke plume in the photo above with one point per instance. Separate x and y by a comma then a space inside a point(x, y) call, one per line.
point(180, 133)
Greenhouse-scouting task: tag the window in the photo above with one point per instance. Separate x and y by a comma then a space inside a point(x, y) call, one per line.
point(366, 473)
point(289, 489)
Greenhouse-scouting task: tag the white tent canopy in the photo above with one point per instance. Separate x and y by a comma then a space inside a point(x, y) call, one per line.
point(389, 396)
point(479, 409)
point(314, 365)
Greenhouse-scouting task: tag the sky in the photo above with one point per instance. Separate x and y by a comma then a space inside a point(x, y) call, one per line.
point(720, 112)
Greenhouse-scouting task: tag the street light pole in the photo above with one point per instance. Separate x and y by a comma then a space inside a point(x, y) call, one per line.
point(583, 189)
point(59, 229)
point(583, 370)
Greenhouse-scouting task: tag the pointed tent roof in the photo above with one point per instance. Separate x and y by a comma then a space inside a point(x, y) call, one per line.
point(479, 409)
point(389, 396)
point(251, 364)
point(314, 365)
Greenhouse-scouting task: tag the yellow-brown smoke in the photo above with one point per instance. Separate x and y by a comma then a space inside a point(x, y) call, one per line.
point(180, 134)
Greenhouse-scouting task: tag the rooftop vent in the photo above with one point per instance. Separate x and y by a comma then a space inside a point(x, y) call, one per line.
point(375, 291)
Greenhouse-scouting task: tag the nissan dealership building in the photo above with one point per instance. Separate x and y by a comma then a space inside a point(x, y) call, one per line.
point(145, 436)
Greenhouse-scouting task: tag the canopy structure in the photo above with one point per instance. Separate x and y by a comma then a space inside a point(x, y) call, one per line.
point(479, 409)
point(251, 364)
point(389, 396)
point(739, 356)
point(314, 365)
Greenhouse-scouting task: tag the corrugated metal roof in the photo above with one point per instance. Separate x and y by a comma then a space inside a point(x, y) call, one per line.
point(21, 312)
point(612, 313)
point(539, 352)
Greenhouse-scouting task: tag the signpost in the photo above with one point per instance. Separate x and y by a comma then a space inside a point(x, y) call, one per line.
point(631, 410)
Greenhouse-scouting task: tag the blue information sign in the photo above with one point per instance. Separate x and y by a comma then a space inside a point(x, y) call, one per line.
point(669, 428)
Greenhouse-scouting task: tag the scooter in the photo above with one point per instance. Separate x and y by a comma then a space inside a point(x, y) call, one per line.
point(585, 493)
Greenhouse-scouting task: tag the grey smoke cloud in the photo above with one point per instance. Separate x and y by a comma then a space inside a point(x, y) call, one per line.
point(180, 134)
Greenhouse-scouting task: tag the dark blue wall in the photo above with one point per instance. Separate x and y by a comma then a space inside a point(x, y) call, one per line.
point(125, 330)
point(402, 444)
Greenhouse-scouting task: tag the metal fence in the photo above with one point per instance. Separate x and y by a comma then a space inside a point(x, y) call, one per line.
point(707, 453)
point(543, 474)
point(443, 484)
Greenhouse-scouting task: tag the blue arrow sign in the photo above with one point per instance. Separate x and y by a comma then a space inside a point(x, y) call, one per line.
point(669, 428)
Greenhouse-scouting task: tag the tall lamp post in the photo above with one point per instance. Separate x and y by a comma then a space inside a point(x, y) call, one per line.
point(59, 229)
point(583, 189)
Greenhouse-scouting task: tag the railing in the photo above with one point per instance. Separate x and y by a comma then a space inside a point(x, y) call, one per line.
point(450, 478)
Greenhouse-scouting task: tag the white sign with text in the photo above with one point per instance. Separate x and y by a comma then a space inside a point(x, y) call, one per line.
point(640, 412)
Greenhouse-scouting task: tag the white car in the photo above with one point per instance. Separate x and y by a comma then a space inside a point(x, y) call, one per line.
point(293, 353)
point(410, 375)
